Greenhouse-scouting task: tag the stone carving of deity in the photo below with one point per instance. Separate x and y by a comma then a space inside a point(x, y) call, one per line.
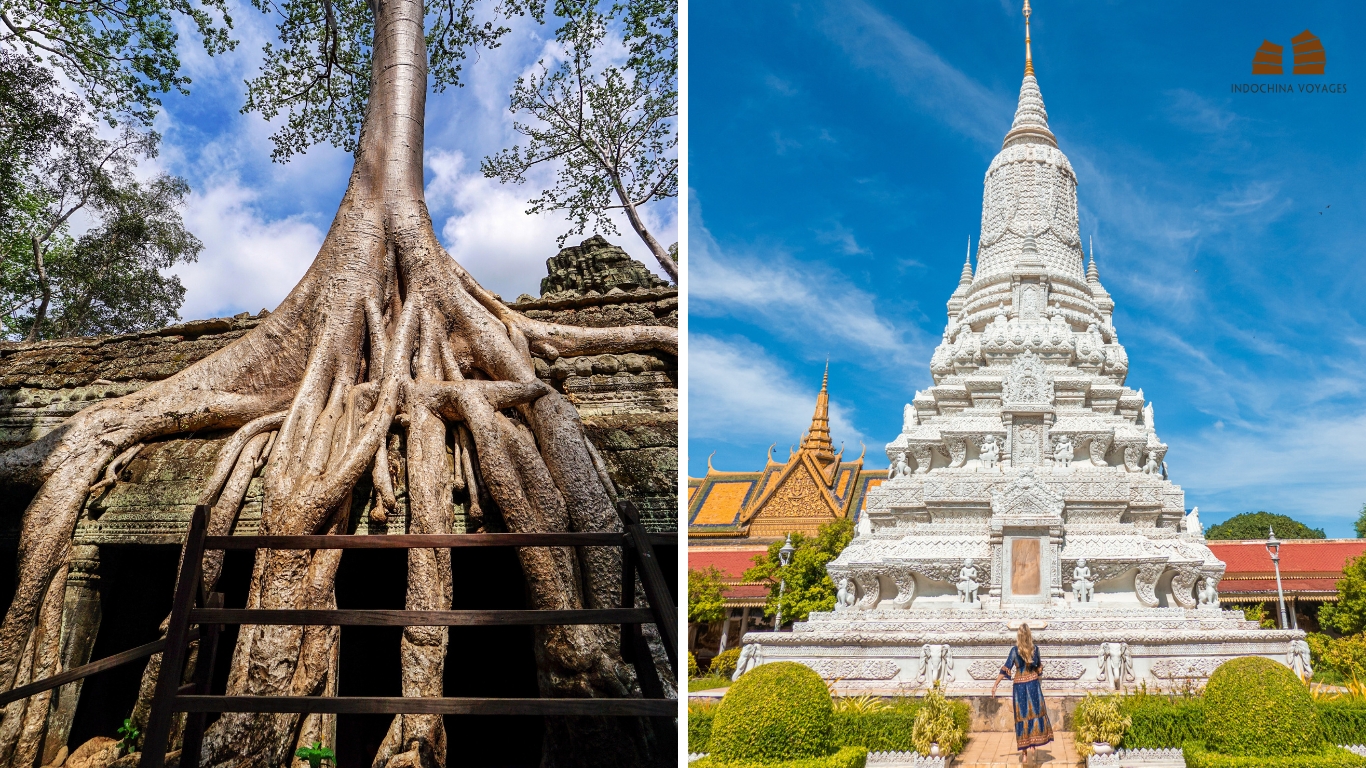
point(908, 418)
point(1298, 659)
point(1025, 448)
point(991, 452)
point(1115, 664)
point(1193, 526)
point(1208, 592)
point(967, 582)
point(751, 656)
point(845, 596)
point(936, 664)
point(899, 467)
point(1083, 588)
point(1063, 452)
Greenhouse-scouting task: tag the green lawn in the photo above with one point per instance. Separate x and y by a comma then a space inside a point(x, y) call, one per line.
point(707, 683)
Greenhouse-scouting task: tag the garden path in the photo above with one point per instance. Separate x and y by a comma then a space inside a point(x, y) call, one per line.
point(997, 748)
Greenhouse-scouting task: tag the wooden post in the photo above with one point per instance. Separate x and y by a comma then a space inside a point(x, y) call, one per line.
point(193, 740)
point(177, 643)
point(652, 579)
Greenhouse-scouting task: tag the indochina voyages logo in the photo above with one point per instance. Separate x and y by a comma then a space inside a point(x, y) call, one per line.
point(1309, 58)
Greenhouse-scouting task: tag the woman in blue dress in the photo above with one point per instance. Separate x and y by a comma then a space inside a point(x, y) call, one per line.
point(1023, 667)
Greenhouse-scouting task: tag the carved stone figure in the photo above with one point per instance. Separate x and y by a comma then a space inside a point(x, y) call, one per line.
point(751, 656)
point(991, 452)
point(1083, 588)
point(936, 664)
point(1209, 592)
point(1298, 659)
point(1193, 526)
point(845, 596)
point(967, 582)
point(1152, 466)
point(1116, 667)
point(899, 467)
point(908, 417)
point(1063, 452)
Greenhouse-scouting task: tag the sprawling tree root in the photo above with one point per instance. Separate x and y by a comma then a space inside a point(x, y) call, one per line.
point(385, 332)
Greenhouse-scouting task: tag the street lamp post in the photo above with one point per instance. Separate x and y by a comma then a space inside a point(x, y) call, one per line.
point(784, 557)
point(1274, 547)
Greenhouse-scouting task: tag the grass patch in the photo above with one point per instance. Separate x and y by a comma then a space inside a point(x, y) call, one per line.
point(708, 683)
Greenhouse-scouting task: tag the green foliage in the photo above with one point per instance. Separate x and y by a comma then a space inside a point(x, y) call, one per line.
point(706, 600)
point(888, 729)
point(1348, 614)
point(710, 682)
point(609, 131)
point(935, 724)
point(1361, 523)
point(1257, 707)
point(1257, 612)
point(723, 663)
point(1198, 756)
point(846, 757)
point(1343, 722)
point(1098, 720)
point(778, 711)
point(1162, 722)
point(692, 665)
point(1256, 525)
point(866, 704)
point(120, 54)
point(316, 754)
point(128, 737)
point(809, 587)
point(1344, 656)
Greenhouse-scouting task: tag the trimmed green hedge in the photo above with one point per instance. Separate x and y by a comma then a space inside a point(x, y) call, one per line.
point(778, 711)
point(886, 731)
point(1330, 757)
point(848, 757)
point(1159, 722)
point(1257, 707)
point(1344, 722)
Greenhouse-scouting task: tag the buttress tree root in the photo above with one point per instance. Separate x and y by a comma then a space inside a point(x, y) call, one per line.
point(384, 334)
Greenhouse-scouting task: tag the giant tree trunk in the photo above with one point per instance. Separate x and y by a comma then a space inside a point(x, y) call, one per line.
point(385, 332)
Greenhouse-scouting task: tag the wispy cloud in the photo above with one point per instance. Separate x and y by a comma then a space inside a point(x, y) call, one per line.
point(749, 395)
point(873, 40)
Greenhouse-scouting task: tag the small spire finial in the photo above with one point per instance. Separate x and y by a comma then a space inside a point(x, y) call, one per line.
point(1029, 58)
point(1091, 272)
point(825, 380)
point(966, 277)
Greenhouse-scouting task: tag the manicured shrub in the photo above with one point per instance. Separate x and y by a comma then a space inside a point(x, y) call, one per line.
point(700, 717)
point(1098, 719)
point(1345, 657)
point(723, 664)
point(1162, 722)
point(887, 730)
point(1256, 707)
point(778, 711)
point(935, 724)
point(692, 666)
point(1198, 756)
point(1343, 721)
point(848, 757)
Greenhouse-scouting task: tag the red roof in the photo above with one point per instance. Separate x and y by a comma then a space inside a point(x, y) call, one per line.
point(1298, 556)
point(1269, 585)
point(741, 591)
point(731, 562)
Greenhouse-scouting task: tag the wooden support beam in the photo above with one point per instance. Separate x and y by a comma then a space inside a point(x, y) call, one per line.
point(350, 705)
point(385, 618)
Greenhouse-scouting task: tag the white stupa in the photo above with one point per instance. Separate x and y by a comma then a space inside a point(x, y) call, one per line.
point(1028, 484)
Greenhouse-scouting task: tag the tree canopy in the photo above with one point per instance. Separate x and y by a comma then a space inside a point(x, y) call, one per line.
point(1361, 523)
point(706, 601)
point(1348, 614)
point(809, 587)
point(1255, 525)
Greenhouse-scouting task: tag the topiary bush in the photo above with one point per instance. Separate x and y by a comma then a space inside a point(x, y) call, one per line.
point(1198, 756)
point(1161, 722)
point(1098, 719)
point(1343, 721)
point(778, 711)
point(723, 664)
point(847, 757)
point(692, 666)
point(1256, 707)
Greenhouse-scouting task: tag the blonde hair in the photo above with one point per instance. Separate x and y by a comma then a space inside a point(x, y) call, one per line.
point(1024, 641)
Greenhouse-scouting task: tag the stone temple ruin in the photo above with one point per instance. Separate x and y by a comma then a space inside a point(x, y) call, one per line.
point(1028, 484)
point(128, 538)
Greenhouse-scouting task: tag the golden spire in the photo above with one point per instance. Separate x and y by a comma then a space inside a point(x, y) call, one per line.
point(1029, 58)
point(817, 438)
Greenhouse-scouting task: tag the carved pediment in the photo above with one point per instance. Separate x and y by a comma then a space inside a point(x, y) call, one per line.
point(1028, 384)
point(1026, 496)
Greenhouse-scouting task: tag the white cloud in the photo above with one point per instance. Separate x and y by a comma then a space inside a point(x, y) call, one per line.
point(249, 262)
point(492, 236)
point(748, 394)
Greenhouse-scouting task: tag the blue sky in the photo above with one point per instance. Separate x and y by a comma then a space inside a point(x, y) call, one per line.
point(262, 222)
point(836, 156)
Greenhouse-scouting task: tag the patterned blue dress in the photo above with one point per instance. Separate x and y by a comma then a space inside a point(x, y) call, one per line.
point(1032, 727)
